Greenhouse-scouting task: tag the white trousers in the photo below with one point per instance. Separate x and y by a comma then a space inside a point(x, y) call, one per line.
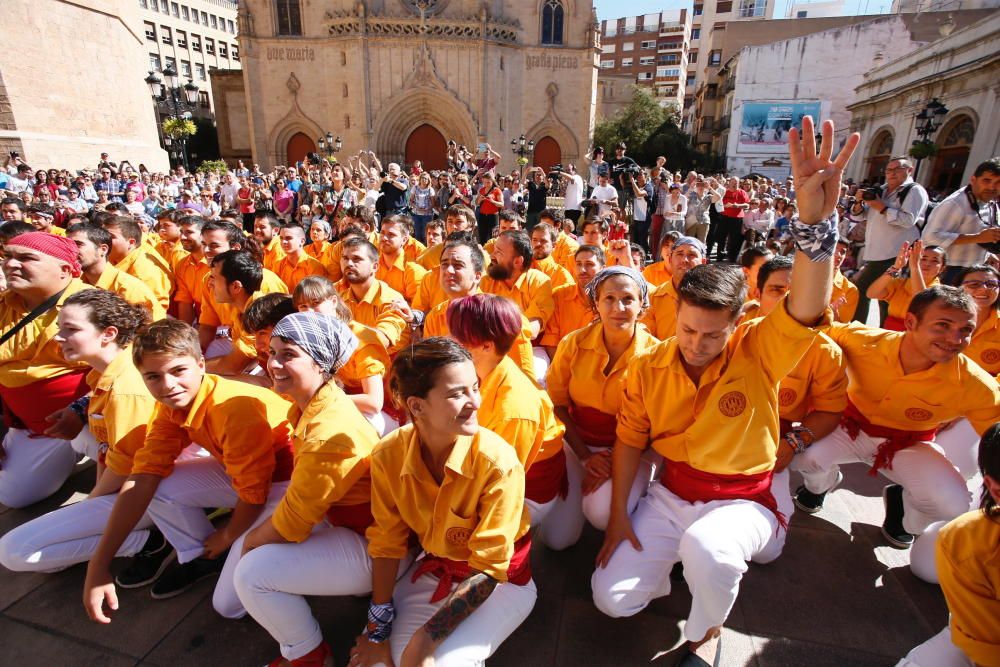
point(177, 510)
point(219, 347)
point(476, 638)
point(541, 361)
point(938, 651)
point(34, 467)
point(273, 580)
point(383, 423)
point(559, 522)
point(780, 489)
point(714, 540)
point(934, 490)
point(597, 504)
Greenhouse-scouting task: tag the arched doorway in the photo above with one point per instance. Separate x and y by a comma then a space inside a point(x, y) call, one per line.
point(878, 156)
point(953, 154)
point(298, 146)
point(547, 153)
point(427, 145)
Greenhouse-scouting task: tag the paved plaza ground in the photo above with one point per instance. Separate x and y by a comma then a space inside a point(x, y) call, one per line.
point(837, 597)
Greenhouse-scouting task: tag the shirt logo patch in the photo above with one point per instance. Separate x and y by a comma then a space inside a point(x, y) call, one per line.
point(458, 536)
point(787, 397)
point(733, 404)
point(918, 414)
point(990, 356)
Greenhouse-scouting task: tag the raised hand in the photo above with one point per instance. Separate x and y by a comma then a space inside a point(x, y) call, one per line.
point(817, 177)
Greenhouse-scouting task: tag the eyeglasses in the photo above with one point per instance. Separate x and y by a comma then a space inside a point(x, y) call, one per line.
point(991, 285)
point(900, 168)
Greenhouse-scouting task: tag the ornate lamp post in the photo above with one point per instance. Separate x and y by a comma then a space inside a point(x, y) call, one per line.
point(522, 149)
point(176, 100)
point(929, 121)
point(327, 144)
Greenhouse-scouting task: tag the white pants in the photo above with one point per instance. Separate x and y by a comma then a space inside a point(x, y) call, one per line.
point(933, 489)
point(541, 360)
point(383, 423)
point(938, 651)
point(34, 467)
point(714, 540)
point(559, 522)
point(273, 580)
point(219, 347)
point(476, 638)
point(597, 504)
point(177, 510)
point(780, 489)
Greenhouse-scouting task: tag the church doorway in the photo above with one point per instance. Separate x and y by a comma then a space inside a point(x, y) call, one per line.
point(429, 146)
point(547, 153)
point(298, 146)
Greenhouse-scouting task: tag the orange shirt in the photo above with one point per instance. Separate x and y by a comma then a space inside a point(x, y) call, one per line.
point(273, 253)
point(985, 346)
point(412, 249)
point(564, 253)
point(572, 312)
point(557, 274)
point(657, 273)
point(401, 275)
point(317, 249)
point(661, 316)
point(292, 272)
point(172, 251)
point(190, 276)
point(475, 515)
point(844, 298)
point(576, 375)
point(817, 384)
point(332, 443)
point(728, 424)
point(915, 401)
point(130, 289)
point(145, 264)
point(243, 426)
point(531, 291)
point(375, 310)
point(32, 354)
point(899, 295)
point(429, 292)
point(369, 359)
point(331, 261)
point(120, 409)
point(226, 314)
point(520, 413)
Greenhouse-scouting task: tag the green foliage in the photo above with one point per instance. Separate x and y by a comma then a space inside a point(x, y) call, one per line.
point(213, 166)
point(179, 127)
point(923, 149)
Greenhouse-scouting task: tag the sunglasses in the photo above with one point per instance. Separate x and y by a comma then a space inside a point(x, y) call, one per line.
point(980, 284)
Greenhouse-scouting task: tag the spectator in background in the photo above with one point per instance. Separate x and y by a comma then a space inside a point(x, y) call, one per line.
point(573, 197)
point(642, 191)
point(421, 204)
point(538, 190)
point(489, 202)
point(109, 185)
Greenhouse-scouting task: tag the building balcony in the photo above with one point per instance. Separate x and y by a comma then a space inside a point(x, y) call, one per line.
point(666, 31)
point(724, 122)
point(703, 137)
point(727, 85)
point(666, 48)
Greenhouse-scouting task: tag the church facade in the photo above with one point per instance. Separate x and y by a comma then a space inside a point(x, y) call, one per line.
point(402, 78)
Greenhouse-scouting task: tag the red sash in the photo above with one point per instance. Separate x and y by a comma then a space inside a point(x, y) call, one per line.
point(354, 517)
point(893, 323)
point(784, 426)
point(27, 407)
point(895, 439)
point(595, 427)
point(450, 571)
point(698, 486)
point(284, 461)
point(547, 479)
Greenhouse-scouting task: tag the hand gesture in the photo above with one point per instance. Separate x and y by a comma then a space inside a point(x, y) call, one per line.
point(816, 176)
point(65, 425)
point(915, 249)
point(901, 258)
point(619, 529)
point(622, 252)
point(403, 309)
point(98, 589)
point(370, 654)
point(216, 544)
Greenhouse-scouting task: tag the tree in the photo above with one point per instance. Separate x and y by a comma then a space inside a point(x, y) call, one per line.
point(633, 124)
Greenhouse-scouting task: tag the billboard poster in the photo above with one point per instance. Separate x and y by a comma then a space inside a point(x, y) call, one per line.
point(765, 125)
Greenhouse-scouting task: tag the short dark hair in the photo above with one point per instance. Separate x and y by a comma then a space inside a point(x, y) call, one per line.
point(596, 251)
point(458, 210)
point(752, 254)
point(9, 230)
point(13, 201)
point(234, 235)
point(240, 265)
point(266, 311)
point(465, 240)
point(976, 268)
point(415, 370)
point(715, 287)
point(192, 221)
point(126, 225)
point(991, 166)
point(951, 297)
point(773, 265)
point(989, 464)
point(522, 246)
point(553, 214)
point(549, 230)
point(271, 218)
point(96, 235)
point(511, 216)
point(600, 222)
point(361, 242)
point(404, 221)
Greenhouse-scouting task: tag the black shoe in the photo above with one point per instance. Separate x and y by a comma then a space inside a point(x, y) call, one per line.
point(892, 527)
point(810, 502)
point(149, 563)
point(183, 577)
point(690, 659)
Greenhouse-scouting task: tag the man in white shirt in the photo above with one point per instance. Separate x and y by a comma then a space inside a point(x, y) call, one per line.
point(966, 221)
point(229, 190)
point(21, 182)
point(604, 195)
point(573, 197)
point(758, 220)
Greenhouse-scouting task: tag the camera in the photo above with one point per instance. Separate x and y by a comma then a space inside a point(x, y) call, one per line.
point(383, 173)
point(626, 169)
point(15, 154)
point(555, 171)
point(871, 194)
point(313, 158)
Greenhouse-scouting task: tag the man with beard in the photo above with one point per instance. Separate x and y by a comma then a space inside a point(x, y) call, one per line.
point(265, 229)
point(543, 243)
point(393, 268)
point(661, 316)
point(573, 309)
point(372, 302)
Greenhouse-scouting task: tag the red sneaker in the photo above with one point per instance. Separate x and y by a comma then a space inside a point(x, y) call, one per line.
point(321, 656)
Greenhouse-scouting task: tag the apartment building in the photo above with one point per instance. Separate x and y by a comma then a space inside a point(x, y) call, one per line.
point(194, 36)
point(652, 49)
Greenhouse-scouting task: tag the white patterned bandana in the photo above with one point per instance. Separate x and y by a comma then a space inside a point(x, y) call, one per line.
point(326, 339)
point(816, 241)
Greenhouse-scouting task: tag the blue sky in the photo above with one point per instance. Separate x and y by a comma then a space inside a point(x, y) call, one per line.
point(612, 9)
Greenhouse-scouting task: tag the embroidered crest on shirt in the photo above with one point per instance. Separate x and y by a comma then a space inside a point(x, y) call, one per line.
point(458, 536)
point(787, 397)
point(733, 404)
point(918, 414)
point(990, 356)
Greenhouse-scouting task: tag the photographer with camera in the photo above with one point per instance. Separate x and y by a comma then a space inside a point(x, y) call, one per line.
point(622, 167)
point(642, 193)
point(965, 223)
point(538, 190)
point(895, 213)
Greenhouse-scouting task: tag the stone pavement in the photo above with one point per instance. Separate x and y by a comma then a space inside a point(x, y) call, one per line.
point(836, 597)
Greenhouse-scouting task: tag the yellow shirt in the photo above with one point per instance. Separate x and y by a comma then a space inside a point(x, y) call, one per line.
point(531, 291)
point(843, 290)
point(120, 409)
point(520, 413)
point(430, 259)
point(412, 249)
point(131, 289)
point(572, 312)
point(899, 295)
point(968, 565)
point(817, 383)
point(332, 443)
point(475, 515)
point(564, 252)
point(226, 314)
point(243, 426)
point(317, 249)
point(151, 269)
point(557, 274)
point(917, 401)
point(375, 310)
point(189, 275)
point(661, 316)
point(657, 273)
point(369, 359)
point(985, 346)
point(576, 375)
point(727, 425)
point(172, 251)
point(429, 293)
point(401, 275)
point(331, 260)
point(273, 253)
point(291, 273)
point(32, 354)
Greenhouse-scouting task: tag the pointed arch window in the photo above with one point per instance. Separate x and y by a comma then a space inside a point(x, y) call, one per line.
point(552, 22)
point(289, 15)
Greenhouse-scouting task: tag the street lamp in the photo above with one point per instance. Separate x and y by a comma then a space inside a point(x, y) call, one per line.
point(929, 121)
point(176, 100)
point(329, 145)
point(522, 149)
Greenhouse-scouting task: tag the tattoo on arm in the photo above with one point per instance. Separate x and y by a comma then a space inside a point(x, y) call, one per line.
point(465, 599)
